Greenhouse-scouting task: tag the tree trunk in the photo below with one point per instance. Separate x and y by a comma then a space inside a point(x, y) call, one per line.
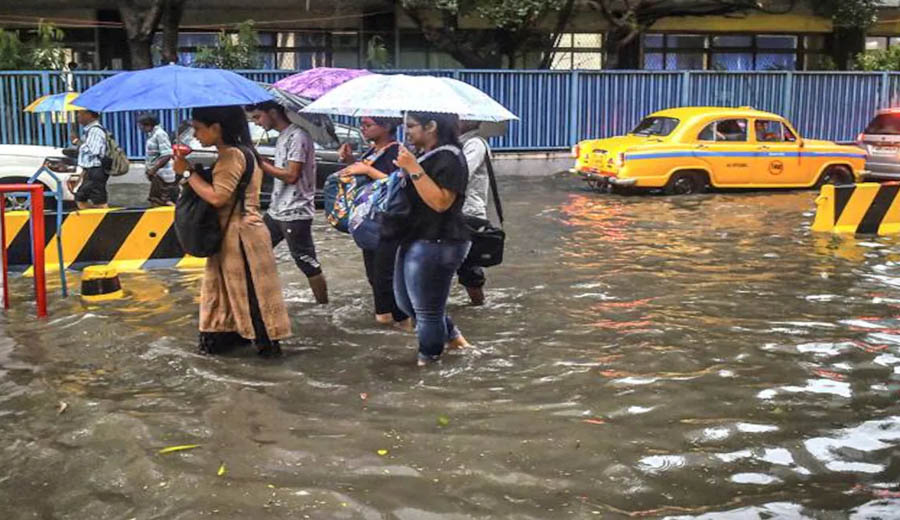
point(171, 19)
point(139, 51)
point(140, 24)
point(846, 44)
point(621, 52)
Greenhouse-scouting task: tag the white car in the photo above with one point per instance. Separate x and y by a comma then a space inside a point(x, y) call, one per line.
point(18, 162)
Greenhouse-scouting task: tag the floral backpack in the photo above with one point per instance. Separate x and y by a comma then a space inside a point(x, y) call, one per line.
point(340, 197)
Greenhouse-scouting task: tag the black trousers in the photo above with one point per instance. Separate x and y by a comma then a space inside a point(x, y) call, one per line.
point(380, 273)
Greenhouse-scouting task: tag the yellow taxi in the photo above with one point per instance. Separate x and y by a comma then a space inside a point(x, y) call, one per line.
point(688, 150)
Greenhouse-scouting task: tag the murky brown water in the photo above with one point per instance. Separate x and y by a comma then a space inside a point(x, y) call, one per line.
point(646, 356)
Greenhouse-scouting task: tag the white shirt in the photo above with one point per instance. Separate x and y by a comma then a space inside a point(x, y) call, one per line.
point(476, 151)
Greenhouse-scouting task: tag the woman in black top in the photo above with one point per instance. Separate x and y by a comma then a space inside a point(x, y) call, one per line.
point(436, 240)
point(377, 163)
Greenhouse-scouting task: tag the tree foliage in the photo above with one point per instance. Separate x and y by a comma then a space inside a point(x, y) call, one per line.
point(232, 50)
point(860, 14)
point(377, 55)
point(40, 50)
point(510, 28)
point(879, 60)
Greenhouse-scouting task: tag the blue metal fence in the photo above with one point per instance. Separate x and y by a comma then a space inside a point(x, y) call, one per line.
point(557, 108)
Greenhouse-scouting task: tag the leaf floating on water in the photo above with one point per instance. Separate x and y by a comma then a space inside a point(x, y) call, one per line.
point(62, 407)
point(182, 447)
point(382, 452)
point(222, 470)
point(594, 421)
point(443, 421)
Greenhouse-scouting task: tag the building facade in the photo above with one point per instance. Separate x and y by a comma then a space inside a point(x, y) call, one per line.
point(375, 33)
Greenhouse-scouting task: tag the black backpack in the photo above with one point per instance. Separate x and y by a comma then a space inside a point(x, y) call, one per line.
point(197, 222)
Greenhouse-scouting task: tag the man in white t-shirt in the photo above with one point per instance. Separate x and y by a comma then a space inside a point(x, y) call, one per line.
point(292, 206)
point(477, 153)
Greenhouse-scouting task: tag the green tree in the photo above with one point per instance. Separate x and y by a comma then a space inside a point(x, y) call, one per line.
point(508, 30)
point(232, 50)
point(852, 19)
point(630, 19)
point(41, 50)
point(377, 55)
point(880, 60)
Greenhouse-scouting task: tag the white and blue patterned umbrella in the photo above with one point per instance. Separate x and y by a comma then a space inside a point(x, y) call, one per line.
point(378, 95)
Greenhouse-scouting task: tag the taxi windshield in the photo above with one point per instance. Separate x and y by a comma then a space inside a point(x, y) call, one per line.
point(660, 126)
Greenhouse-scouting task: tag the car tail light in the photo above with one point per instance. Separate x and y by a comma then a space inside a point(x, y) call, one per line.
point(576, 151)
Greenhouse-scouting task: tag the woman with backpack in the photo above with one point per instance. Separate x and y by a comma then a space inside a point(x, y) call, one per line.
point(435, 239)
point(241, 291)
point(377, 163)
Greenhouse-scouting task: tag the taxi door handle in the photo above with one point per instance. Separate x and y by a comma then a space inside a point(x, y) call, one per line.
point(702, 147)
point(764, 147)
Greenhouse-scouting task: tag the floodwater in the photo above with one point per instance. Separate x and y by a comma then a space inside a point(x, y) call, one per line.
point(697, 357)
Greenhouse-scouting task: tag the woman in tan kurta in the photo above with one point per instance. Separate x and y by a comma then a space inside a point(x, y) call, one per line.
point(241, 290)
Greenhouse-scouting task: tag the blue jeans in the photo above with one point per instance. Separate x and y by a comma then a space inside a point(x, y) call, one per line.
point(423, 275)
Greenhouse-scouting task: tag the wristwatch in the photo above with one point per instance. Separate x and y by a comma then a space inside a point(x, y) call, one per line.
point(415, 176)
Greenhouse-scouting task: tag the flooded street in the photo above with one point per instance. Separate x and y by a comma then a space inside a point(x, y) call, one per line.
point(699, 357)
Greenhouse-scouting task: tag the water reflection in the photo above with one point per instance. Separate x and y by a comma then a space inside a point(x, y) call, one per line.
point(704, 357)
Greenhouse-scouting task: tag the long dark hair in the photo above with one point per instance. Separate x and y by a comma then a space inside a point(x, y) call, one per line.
point(388, 123)
point(232, 119)
point(447, 126)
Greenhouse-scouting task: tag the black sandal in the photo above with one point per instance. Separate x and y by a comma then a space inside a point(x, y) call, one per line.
point(208, 345)
point(269, 349)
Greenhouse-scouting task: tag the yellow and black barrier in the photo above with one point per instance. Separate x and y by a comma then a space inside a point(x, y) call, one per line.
point(125, 239)
point(866, 208)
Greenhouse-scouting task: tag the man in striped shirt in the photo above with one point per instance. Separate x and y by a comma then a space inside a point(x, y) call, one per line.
point(92, 152)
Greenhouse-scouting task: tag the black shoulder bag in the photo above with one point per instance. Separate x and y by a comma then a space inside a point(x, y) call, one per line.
point(488, 241)
point(197, 222)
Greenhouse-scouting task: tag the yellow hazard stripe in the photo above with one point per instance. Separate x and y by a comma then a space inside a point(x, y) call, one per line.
point(191, 262)
point(890, 224)
point(15, 221)
point(856, 208)
point(143, 239)
point(77, 229)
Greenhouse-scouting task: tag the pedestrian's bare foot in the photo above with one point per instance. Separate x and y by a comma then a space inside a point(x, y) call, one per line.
point(406, 325)
point(459, 342)
point(384, 319)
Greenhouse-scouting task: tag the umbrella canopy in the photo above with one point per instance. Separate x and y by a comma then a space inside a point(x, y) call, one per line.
point(392, 96)
point(54, 103)
point(172, 86)
point(319, 126)
point(314, 83)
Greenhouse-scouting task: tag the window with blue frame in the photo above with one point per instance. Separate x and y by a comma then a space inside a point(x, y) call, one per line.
point(285, 50)
point(740, 52)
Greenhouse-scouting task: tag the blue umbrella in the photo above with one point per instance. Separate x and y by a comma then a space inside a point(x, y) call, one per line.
point(172, 86)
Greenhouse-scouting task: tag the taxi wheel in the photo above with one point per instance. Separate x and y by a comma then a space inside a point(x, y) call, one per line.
point(836, 175)
point(685, 183)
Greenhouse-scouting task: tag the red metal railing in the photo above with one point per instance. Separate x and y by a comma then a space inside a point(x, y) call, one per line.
point(36, 193)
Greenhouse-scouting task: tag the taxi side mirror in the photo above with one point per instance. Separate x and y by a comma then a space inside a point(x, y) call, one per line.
point(801, 144)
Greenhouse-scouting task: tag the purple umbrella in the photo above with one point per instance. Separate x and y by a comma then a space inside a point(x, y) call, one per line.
point(314, 83)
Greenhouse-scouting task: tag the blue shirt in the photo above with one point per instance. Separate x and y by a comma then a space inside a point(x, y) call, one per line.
point(93, 146)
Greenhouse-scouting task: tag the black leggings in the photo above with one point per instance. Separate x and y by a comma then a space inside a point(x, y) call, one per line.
point(259, 326)
point(380, 272)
